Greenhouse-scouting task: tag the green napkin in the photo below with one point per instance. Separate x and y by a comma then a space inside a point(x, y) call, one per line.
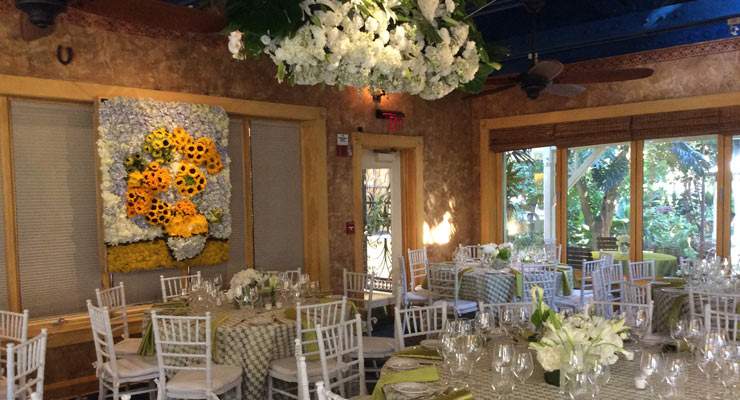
point(463, 394)
point(519, 285)
point(147, 347)
point(567, 284)
point(423, 374)
point(674, 312)
point(419, 352)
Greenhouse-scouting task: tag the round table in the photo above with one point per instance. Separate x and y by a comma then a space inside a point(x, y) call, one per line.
point(665, 264)
point(620, 387)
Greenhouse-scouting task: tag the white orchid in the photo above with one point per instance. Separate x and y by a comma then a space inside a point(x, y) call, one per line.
point(236, 44)
point(428, 9)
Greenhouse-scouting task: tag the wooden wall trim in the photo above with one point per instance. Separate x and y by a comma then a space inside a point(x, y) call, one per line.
point(613, 111)
point(412, 177)
point(636, 195)
point(10, 229)
point(724, 193)
point(488, 189)
point(561, 197)
point(52, 89)
point(248, 205)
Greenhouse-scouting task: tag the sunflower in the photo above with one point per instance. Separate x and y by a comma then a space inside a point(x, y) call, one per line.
point(134, 162)
point(156, 178)
point(187, 226)
point(196, 152)
point(159, 212)
point(184, 207)
point(159, 143)
point(135, 179)
point(213, 160)
point(181, 139)
point(190, 180)
point(138, 201)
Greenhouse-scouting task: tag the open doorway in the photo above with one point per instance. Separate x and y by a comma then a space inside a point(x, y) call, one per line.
point(382, 205)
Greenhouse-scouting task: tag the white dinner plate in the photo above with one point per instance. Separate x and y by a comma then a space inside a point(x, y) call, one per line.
point(402, 364)
point(412, 388)
point(431, 344)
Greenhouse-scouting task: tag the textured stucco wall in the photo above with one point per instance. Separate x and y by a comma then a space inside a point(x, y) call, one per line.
point(121, 54)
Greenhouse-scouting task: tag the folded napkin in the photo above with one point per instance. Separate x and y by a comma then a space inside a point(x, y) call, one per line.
point(567, 285)
point(147, 348)
point(463, 394)
point(423, 374)
point(419, 352)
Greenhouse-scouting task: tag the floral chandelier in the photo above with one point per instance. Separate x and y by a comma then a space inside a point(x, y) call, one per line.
point(421, 47)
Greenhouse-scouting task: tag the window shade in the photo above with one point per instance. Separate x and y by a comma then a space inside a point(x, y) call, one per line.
point(522, 137)
point(54, 168)
point(277, 195)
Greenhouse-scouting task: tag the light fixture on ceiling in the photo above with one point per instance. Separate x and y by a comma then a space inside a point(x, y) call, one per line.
point(41, 13)
point(734, 24)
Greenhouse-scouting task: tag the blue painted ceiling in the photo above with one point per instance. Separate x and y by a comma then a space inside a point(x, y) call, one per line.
point(578, 30)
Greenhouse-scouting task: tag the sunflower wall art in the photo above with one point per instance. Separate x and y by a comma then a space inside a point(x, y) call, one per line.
point(165, 184)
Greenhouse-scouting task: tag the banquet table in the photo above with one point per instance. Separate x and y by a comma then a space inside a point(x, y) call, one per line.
point(620, 387)
point(492, 286)
point(665, 264)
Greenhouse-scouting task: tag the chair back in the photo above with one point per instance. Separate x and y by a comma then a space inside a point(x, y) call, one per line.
point(499, 309)
point(607, 259)
point(609, 283)
point(537, 268)
point(341, 345)
point(115, 300)
point(587, 271)
point(25, 368)
point(610, 309)
point(419, 321)
point(183, 343)
point(723, 318)
point(102, 333)
point(544, 279)
point(642, 270)
point(357, 285)
point(13, 326)
point(302, 372)
point(638, 294)
point(608, 243)
point(575, 256)
point(399, 283)
point(382, 284)
point(308, 317)
point(718, 302)
point(418, 265)
point(443, 282)
point(472, 252)
point(323, 393)
point(178, 286)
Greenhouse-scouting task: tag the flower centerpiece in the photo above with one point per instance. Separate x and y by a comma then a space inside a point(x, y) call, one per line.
point(496, 255)
point(577, 343)
point(623, 243)
point(245, 286)
point(421, 47)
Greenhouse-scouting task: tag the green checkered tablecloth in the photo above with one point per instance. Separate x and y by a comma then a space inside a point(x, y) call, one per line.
point(665, 264)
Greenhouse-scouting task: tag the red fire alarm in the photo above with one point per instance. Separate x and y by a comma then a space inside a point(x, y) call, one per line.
point(343, 148)
point(349, 228)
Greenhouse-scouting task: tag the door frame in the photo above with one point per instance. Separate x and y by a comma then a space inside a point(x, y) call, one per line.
point(411, 150)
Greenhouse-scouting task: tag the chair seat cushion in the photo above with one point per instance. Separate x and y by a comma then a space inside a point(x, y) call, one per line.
point(287, 367)
point(133, 367)
point(378, 347)
point(188, 383)
point(128, 346)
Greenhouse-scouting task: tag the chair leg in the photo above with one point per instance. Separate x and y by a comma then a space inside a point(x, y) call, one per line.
point(115, 393)
point(101, 389)
point(239, 391)
point(269, 387)
point(153, 391)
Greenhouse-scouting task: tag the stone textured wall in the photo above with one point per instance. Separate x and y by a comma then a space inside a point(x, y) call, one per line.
point(114, 53)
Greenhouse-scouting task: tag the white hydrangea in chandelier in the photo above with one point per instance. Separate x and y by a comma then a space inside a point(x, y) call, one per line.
point(375, 43)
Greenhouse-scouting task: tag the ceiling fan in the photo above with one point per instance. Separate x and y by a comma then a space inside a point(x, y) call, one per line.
point(547, 76)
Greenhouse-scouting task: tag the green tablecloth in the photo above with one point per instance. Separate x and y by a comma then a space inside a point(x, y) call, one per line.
point(665, 264)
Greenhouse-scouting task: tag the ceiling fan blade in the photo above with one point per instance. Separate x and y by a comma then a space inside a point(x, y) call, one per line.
point(155, 13)
point(548, 69)
point(603, 76)
point(564, 90)
point(502, 79)
point(486, 92)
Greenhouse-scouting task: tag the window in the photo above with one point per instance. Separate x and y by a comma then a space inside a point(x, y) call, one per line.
point(679, 199)
point(598, 195)
point(529, 190)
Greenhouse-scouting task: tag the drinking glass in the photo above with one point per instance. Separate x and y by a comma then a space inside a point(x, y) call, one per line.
point(650, 364)
point(523, 366)
point(503, 355)
point(502, 381)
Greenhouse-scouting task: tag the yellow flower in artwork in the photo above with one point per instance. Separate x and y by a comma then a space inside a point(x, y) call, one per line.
point(138, 201)
point(190, 180)
point(196, 152)
point(187, 226)
point(159, 144)
point(213, 160)
point(184, 207)
point(181, 138)
point(135, 179)
point(159, 212)
point(156, 178)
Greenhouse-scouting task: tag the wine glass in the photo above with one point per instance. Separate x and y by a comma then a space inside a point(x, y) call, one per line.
point(502, 381)
point(650, 363)
point(523, 366)
point(503, 354)
point(484, 324)
point(639, 323)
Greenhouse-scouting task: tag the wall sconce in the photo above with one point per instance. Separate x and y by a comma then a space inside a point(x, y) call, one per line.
point(377, 95)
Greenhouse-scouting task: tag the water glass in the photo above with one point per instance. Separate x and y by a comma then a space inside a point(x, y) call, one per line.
point(503, 355)
point(523, 366)
point(502, 381)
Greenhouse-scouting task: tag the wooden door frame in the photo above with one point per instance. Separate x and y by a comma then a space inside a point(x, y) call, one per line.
point(411, 149)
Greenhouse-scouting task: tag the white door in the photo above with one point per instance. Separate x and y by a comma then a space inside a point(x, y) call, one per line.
point(381, 187)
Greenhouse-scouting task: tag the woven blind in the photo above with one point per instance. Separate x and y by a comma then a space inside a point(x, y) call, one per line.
point(3, 270)
point(710, 121)
point(277, 195)
point(54, 167)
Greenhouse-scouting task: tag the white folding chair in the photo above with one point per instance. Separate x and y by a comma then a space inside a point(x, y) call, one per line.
point(543, 279)
point(308, 317)
point(324, 393)
point(13, 329)
point(304, 392)
point(24, 372)
point(178, 286)
point(419, 321)
point(358, 288)
point(611, 309)
point(444, 286)
point(721, 302)
point(134, 373)
point(725, 318)
point(184, 359)
point(471, 252)
point(609, 283)
point(115, 300)
point(340, 352)
point(641, 271)
point(418, 266)
point(638, 294)
point(579, 297)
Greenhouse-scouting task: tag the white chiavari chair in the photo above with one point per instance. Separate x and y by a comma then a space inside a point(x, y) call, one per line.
point(418, 266)
point(184, 359)
point(723, 317)
point(358, 288)
point(134, 373)
point(178, 286)
point(537, 268)
point(419, 321)
point(444, 286)
point(340, 352)
point(580, 296)
point(607, 259)
point(304, 392)
point(324, 393)
point(24, 372)
point(611, 309)
point(13, 329)
point(472, 252)
point(699, 299)
point(115, 300)
point(638, 294)
point(308, 317)
point(609, 283)
point(642, 271)
point(543, 279)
